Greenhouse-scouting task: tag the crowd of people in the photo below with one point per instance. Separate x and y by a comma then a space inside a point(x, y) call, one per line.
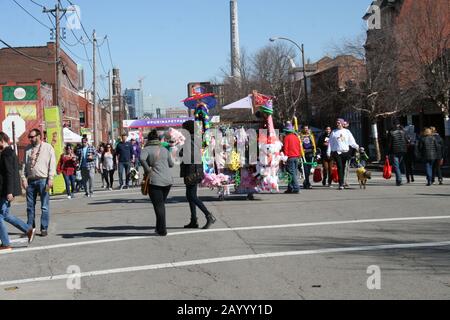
point(80, 164)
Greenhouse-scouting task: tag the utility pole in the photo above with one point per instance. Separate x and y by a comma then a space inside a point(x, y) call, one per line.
point(305, 80)
point(57, 14)
point(111, 104)
point(94, 79)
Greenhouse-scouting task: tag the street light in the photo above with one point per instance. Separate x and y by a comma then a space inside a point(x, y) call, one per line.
point(302, 51)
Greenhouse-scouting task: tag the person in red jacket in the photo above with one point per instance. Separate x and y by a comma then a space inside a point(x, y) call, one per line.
point(67, 165)
point(293, 150)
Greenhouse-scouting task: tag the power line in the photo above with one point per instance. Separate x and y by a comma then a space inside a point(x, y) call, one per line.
point(74, 54)
point(26, 55)
point(101, 60)
point(31, 15)
point(87, 56)
point(109, 50)
point(38, 4)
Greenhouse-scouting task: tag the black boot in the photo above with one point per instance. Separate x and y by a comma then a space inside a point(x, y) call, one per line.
point(192, 225)
point(210, 220)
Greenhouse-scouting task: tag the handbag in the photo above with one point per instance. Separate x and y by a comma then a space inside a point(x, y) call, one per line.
point(194, 178)
point(335, 174)
point(387, 170)
point(317, 175)
point(145, 184)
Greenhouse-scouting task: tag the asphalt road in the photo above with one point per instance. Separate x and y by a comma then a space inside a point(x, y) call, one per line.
point(316, 245)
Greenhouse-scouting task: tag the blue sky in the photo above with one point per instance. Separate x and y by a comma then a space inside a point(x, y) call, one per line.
point(173, 42)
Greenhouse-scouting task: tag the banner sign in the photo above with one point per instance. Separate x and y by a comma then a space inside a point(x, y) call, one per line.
point(26, 112)
point(155, 123)
point(56, 139)
point(18, 93)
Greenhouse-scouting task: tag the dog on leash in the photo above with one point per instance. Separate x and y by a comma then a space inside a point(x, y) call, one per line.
point(134, 177)
point(363, 177)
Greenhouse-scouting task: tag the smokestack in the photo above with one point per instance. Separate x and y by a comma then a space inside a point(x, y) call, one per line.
point(235, 47)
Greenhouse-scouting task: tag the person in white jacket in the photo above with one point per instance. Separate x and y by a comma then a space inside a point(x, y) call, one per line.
point(341, 140)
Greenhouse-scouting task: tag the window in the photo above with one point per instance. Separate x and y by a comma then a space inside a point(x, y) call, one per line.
point(82, 119)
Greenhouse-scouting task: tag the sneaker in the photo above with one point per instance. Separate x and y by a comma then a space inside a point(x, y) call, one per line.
point(69, 197)
point(5, 249)
point(341, 188)
point(110, 189)
point(121, 187)
point(44, 233)
point(30, 235)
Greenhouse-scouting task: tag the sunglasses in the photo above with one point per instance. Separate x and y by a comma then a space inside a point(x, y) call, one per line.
point(31, 137)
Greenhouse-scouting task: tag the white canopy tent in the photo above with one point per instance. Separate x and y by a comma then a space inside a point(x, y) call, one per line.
point(71, 137)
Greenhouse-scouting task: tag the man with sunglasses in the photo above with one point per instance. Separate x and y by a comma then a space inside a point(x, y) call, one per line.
point(37, 178)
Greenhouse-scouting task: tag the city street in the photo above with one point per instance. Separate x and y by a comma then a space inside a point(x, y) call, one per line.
point(316, 245)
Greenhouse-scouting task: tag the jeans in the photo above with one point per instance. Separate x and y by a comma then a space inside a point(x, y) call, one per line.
point(308, 167)
point(429, 164)
point(124, 166)
point(342, 161)
point(70, 184)
point(158, 196)
point(292, 169)
point(437, 171)
point(36, 187)
point(5, 216)
point(194, 202)
point(398, 164)
point(88, 177)
point(109, 177)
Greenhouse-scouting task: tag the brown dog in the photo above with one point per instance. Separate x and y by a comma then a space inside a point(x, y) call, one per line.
point(363, 177)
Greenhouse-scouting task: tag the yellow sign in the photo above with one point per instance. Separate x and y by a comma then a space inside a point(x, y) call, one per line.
point(26, 112)
point(56, 139)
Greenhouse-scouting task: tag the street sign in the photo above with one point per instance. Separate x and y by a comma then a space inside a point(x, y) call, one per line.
point(19, 123)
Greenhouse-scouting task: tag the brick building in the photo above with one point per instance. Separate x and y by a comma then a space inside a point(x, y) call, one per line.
point(76, 105)
point(328, 86)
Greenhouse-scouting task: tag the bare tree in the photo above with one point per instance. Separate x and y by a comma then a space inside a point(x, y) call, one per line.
point(425, 55)
point(379, 96)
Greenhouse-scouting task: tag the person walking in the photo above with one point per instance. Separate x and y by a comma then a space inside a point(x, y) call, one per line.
point(9, 189)
point(37, 178)
point(410, 157)
point(193, 175)
point(124, 154)
point(341, 140)
point(327, 162)
point(309, 153)
point(429, 152)
point(67, 166)
point(398, 147)
point(87, 155)
point(157, 161)
point(98, 159)
point(136, 154)
point(437, 168)
point(292, 148)
point(108, 166)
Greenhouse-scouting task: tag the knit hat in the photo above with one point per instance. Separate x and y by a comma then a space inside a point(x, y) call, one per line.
point(267, 108)
point(289, 128)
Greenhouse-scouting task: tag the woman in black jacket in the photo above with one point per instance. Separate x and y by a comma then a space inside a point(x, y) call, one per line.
point(193, 175)
point(9, 188)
